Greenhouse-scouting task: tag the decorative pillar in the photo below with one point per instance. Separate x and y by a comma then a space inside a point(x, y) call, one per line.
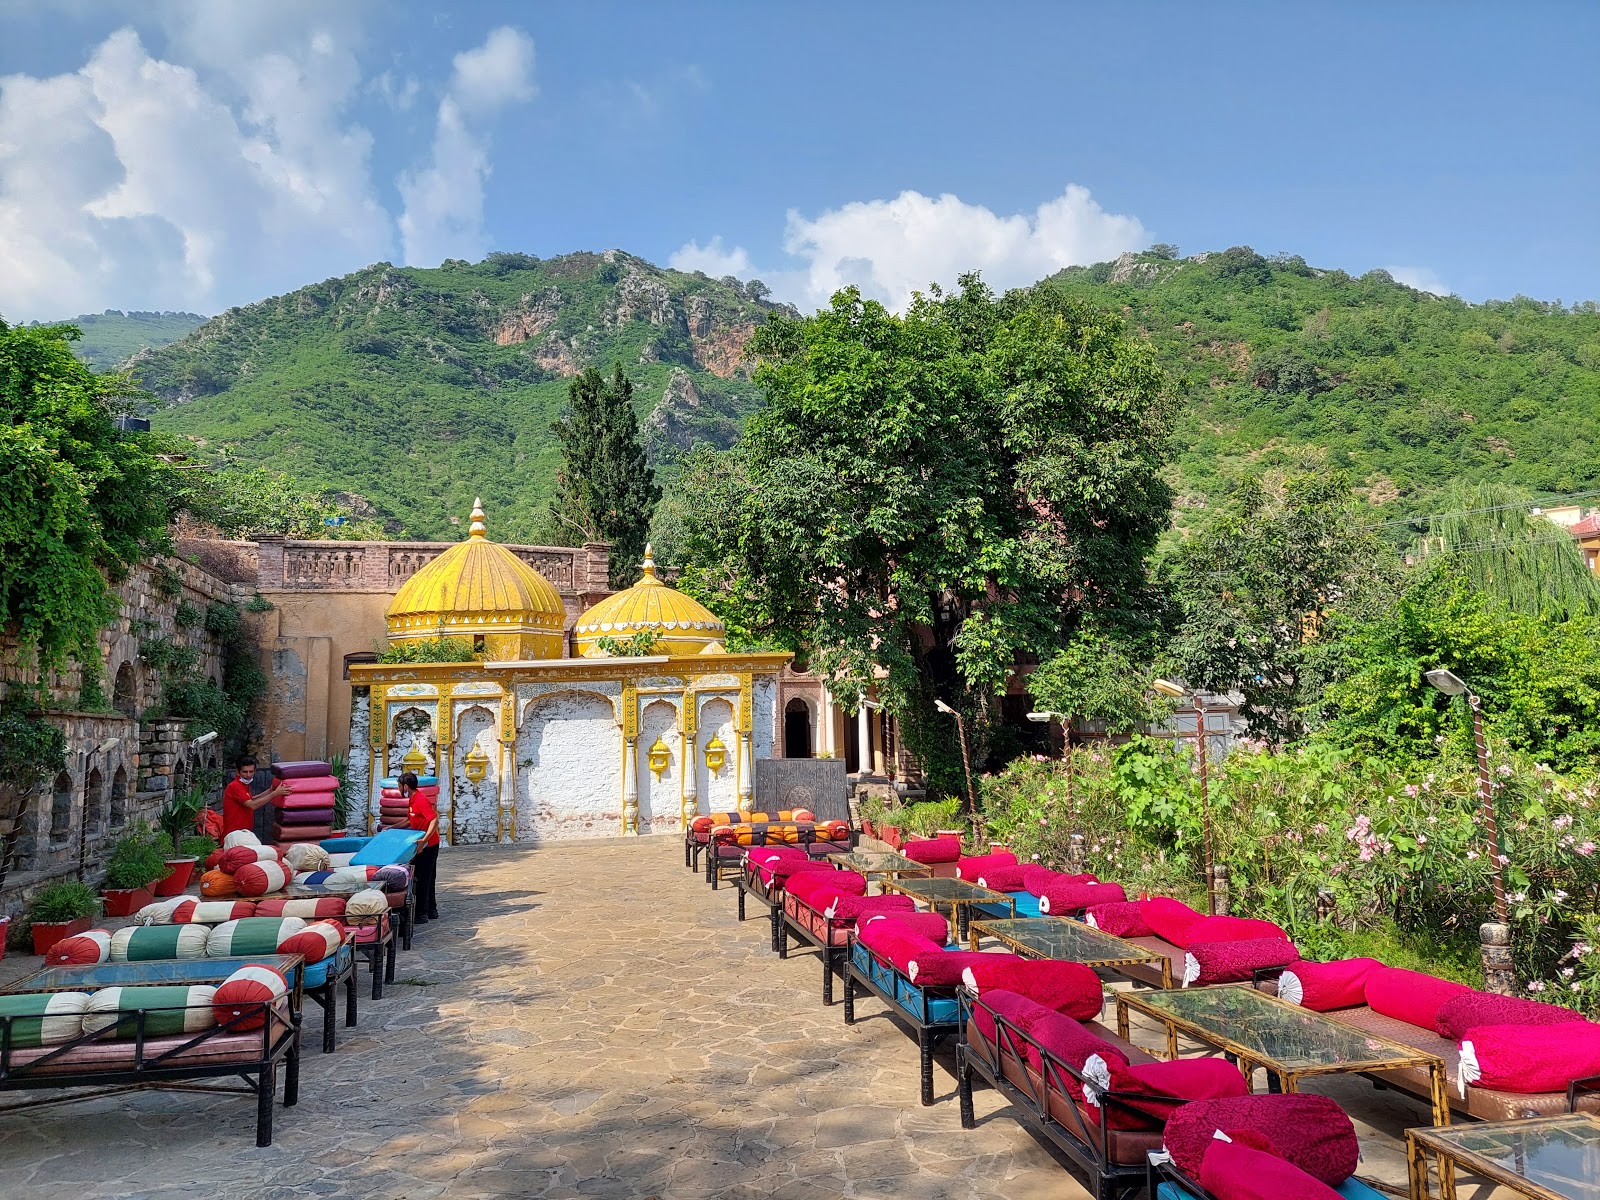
point(506, 805)
point(745, 720)
point(825, 720)
point(378, 741)
point(689, 758)
point(444, 764)
point(863, 740)
point(630, 761)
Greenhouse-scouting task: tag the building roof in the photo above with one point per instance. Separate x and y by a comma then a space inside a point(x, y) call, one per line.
point(682, 626)
point(1588, 527)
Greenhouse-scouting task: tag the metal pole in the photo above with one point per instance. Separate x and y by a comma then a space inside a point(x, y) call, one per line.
point(1486, 804)
point(1205, 802)
point(966, 766)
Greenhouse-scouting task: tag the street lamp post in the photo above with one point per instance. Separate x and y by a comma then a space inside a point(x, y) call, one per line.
point(1494, 936)
point(966, 758)
point(1168, 688)
point(1074, 836)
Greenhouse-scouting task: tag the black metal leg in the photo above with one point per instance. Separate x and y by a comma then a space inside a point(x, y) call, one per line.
point(266, 1085)
point(925, 1050)
point(377, 970)
point(291, 1074)
point(969, 1119)
point(408, 918)
point(827, 978)
point(330, 1004)
point(777, 919)
point(962, 915)
point(741, 904)
point(849, 997)
point(783, 936)
point(350, 991)
point(388, 964)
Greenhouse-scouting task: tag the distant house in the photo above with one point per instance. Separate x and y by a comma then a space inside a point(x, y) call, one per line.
point(1583, 527)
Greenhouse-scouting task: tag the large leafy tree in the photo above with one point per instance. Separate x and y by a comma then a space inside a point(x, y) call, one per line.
point(926, 497)
point(80, 501)
point(605, 489)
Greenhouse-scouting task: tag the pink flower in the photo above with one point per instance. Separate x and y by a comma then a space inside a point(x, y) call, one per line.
point(1319, 828)
point(1561, 822)
point(1503, 770)
point(1366, 854)
point(1471, 854)
point(1422, 839)
point(1586, 849)
point(1501, 859)
point(1536, 986)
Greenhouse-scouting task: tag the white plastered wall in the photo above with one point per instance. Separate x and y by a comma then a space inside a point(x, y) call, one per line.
point(569, 768)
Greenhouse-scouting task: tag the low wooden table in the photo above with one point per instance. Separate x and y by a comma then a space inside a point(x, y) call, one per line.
point(880, 864)
point(1548, 1158)
point(955, 894)
point(1069, 941)
point(1290, 1042)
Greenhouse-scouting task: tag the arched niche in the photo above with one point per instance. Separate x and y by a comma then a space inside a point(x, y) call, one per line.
point(94, 800)
point(718, 792)
point(411, 726)
point(119, 798)
point(798, 728)
point(569, 767)
point(61, 808)
point(660, 800)
point(125, 691)
point(476, 805)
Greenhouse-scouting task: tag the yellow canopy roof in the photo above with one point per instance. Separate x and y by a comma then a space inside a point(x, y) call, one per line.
point(681, 625)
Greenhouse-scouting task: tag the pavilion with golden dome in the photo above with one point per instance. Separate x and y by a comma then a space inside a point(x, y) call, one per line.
point(649, 721)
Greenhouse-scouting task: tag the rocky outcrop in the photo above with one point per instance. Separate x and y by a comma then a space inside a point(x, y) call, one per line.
point(642, 298)
point(531, 318)
point(558, 357)
point(721, 349)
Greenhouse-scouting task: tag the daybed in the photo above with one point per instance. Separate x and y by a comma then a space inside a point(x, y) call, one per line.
point(822, 907)
point(789, 827)
point(1201, 949)
point(764, 872)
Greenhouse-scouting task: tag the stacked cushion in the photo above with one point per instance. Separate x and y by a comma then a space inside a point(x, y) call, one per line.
point(91, 946)
point(240, 837)
point(305, 813)
point(218, 885)
point(259, 878)
point(44, 1019)
point(242, 856)
point(168, 1010)
point(932, 851)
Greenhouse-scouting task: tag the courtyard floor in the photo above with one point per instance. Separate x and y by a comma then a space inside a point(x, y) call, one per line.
point(589, 1020)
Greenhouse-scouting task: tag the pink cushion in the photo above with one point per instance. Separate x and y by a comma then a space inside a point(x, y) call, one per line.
point(1065, 987)
point(1002, 879)
point(846, 908)
point(1036, 878)
point(1192, 1078)
point(1529, 1058)
point(1310, 1131)
point(1020, 1011)
point(1234, 1171)
point(783, 868)
point(1171, 920)
point(942, 968)
point(932, 926)
point(970, 867)
point(1461, 1013)
point(1063, 899)
point(1122, 918)
point(771, 854)
point(933, 850)
point(1155, 1090)
point(1323, 987)
point(816, 887)
point(895, 943)
point(1068, 1041)
point(1410, 996)
point(1235, 962)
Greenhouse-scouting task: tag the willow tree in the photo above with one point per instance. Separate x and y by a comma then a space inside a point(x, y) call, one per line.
point(927, 497)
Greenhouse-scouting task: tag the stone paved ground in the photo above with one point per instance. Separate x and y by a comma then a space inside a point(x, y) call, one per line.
point(590, 1020)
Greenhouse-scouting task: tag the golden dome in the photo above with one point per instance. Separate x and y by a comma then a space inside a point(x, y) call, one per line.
point(482, 592)
point(681, 625)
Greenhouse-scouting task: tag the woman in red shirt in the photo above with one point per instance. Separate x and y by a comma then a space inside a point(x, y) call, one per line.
point(424, 816)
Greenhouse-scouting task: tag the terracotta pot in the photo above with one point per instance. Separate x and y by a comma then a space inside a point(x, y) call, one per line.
point(179, 871)
point(868, 828)
point(124, 902)
point(890, 834)
point(47, 934)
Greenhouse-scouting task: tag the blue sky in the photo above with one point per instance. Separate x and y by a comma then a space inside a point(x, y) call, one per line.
point(199, 153)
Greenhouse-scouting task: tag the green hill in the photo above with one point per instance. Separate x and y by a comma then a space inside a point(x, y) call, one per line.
point(111, 338)
point(416, 390)
point(1403, 389)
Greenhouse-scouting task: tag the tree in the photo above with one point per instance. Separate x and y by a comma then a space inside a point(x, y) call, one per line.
point(926, 497)
point(80, 501)
point(249, 503)
point(1254, 585)
point(605, 490)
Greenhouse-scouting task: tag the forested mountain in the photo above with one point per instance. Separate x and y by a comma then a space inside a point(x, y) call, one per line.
point(112, 337)
point(417, 390)
point(1403, 389)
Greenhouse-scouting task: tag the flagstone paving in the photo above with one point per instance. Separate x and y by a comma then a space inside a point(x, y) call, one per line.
point(589, 1020)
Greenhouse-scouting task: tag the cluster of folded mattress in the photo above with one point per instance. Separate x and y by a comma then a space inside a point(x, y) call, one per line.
point(305, 814)
point(787, 827)
point(1037, 891)
point(232, 938)
point(394, 810)
point(1498, 1043)
point(829, 903)
point(1207, 949)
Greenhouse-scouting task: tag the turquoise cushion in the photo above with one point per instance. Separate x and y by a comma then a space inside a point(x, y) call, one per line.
point(388, 848)
point(343, 845)
point(1350, 1189)
point(904, 993)
point(317, 973)
point(1027, 906)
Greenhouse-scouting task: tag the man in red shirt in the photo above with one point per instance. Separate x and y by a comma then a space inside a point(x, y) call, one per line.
point(239, 806)
point(424, 816)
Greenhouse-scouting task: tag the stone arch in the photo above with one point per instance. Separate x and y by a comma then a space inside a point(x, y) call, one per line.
point(799, 728)
point(569, 767)
point(119, 797)
point(475, 806)
point(660, 800)
point(720, 792)
point(412, 726)
point(94, 800)
point(61, 808)
point(125, 691)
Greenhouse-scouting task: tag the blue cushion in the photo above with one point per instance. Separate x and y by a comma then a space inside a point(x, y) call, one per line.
point(389, 848)
point(317, 972)
point(343, 845)
point(1350, 1189)
point(393, 781)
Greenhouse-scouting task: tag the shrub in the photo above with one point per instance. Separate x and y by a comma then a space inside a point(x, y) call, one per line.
point(443, 650)
point(138, 859)
point(59, 903)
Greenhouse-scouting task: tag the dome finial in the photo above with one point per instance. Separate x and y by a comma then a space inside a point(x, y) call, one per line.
point(648, 566)
point(479, 529)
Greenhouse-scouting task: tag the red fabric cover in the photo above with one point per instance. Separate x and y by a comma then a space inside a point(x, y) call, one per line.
point(969, 867)
point(786, 867)
point(834, 831)
point(1002, 879)
point(286, 835)
point(933, 926)
point(942, 968)
point(307, 768)
point(771, 854)
point(895, 943)
point(241, 856)
point(81, 949)
point(242, 991)
point(1308, 1130)
point(299, 800)
point(1171, 920)
point(846, 908)
point(1018, 1010)
point(317, 941)
point(1155, 1090)
point(213, 859)
point(1529, 1058)
point(1120, 918)
point(320, 907)
point(815, 888)
point(1064, 898)
point(313, 783)
point(1237, 929)
point(1461, 1013)
point(1323, 987)
point(184, 911)
point(1235, 962)
point(933, 850)
point(1234, 1171)
point(259, 878)
point(1191, 1078)
point(1036, 878)
point(1410, 996)
point(1068, 1041)
point(1065, 987)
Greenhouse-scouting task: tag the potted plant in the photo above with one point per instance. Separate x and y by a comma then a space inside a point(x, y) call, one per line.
point(178, 820)
point(137, 861)
point(60, 910)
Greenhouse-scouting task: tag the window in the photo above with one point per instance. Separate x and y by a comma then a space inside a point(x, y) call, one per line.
point(360, 656)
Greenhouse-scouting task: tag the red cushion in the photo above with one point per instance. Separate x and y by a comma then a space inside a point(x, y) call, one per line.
point(1232, 1171)
point(815, 887)
point(1192, 1078)
point(942, 968)
point(1066, 1040)
point(259, 878)
point(1036, 878)
point(970, 867)
point(771, 854)
point(1120, 918)
point(895, 943)
point(1236, 929)
point(1171, 920)
point(1065, 987)
point(1323, 987)
point(845, 908)
point(932, 926)
point(1062, 899)
point(243, 856)
point(1529, 1058)
point(317, 941)
point(1410, 996)
point(1235, 962)
point(1002, 879)
point(785, 867)
point(81, 949)
point(1310, 1131)
point(241, 993)
point(1020, 1011)
point(1461, 1013)
point(933, 850)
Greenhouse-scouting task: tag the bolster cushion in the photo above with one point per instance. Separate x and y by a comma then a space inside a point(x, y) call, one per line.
point(306, 856)
point(1459, 1014)
point(939, 967)
point(1528, 1058)
point(1035, 879)
point(43, 1018)
point(240, 837)
point(259, 878)
point(1323, 987)
point(1120, 918)
point(239, 996)
point(1002, 879)
point(320, 908)
point(315, 942)
point(1234, 962)
point(190, 911)
point(218, 885)
point(933, 850)
point(970, 867)
point(1232, 1170)
point(251, 935)
point(90, 946)
point(168, 1010)
point(1310, 1131)
point(145, 943)
point(1065, 987)
point(1410, 996)
point(935, 927)
point(1064, 898)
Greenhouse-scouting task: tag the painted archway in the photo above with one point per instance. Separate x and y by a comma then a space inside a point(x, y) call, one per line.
point(476, 804)
point(660, 800)
point(569, 768)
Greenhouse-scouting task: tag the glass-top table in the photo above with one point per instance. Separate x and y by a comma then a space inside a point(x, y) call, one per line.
point(957, 895)
point(1288, 1041)
point(159, 971)
point(879, 863)
point(1548, 1158)
point(1070, 941)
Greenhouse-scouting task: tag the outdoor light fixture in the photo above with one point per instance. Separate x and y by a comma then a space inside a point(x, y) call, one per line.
point(107, 746)
point(659, 758)
point(476, 763)
point(716, 755)
point(1042, 718)
point(205, 739)
point(1447, 682)
point(415, 760)
point(966, 757)
point(1167, 688)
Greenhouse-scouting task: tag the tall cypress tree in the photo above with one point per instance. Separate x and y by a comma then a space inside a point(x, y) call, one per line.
point(605, 490)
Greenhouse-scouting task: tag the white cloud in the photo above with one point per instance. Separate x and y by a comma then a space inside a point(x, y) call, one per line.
point(715, 259)
point(1422, 278)
point(891, 248)
point(443, 215)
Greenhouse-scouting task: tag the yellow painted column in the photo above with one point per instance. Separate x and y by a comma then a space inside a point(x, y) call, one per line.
point(630, 761)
